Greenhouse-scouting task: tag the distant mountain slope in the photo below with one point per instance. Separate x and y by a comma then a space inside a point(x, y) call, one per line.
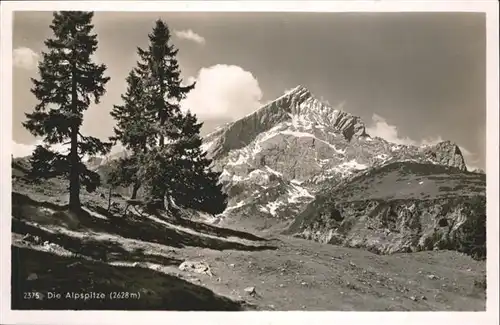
point(401, 207)
point(276, 159)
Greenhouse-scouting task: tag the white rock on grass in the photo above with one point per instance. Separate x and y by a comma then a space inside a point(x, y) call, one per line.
point(32, 277)
point(250, 290)
point(196, 267)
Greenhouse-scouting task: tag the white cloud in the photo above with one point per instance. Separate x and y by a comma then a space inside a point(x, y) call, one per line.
point(25, 58)
point(471, 159)
point(190, 36)
point(23, 150)
point(430, 141)
point(223, 91)
point(382, 129)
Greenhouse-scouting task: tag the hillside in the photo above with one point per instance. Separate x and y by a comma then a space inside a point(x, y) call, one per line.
point(98, 252)
point(401, 207)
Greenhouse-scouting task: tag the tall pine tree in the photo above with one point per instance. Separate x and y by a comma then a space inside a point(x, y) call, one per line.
point(134, 131)
point(171, 164)
point(69, 82)
point(159, 68)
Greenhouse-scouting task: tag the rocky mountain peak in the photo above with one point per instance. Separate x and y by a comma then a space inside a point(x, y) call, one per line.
point(298, 91)
point(446, 153)
point(276, 159)
point(298, 110)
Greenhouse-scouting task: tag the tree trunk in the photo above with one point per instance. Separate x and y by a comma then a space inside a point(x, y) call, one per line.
point(109, 199)
point(135, 189)
point(74, 177)
point(167, 199)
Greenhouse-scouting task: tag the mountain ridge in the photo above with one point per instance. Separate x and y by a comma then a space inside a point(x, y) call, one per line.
point(295, 144)
point(280, 110)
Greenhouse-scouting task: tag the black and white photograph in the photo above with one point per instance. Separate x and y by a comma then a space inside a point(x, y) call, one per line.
point(249, 160)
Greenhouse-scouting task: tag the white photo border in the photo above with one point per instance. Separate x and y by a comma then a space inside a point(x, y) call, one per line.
point(490, 8)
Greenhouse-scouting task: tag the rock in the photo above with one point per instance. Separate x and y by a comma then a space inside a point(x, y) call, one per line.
point(231, 265)
point(250, 290)
point(423, 298)
point(77, 263)
point(303, 283)
point(196, 267)
point(413, 298)
point(281, 285)
point(432, 277)
point(32, 277)
point(410, 233)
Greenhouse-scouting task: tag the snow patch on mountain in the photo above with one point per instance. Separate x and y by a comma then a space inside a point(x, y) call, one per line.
point(296, 192)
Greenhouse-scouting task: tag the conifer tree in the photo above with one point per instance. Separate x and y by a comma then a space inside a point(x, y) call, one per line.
point(197, 186)
point(159, 68)
point(134, 131)
point(171, 165)
point(69, 82)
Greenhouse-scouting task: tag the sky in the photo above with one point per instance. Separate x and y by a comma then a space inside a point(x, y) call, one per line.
point(413, 78)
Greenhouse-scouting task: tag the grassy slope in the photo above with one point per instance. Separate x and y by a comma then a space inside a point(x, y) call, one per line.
point(406, 180)
point(397, 181)
point(288, 273)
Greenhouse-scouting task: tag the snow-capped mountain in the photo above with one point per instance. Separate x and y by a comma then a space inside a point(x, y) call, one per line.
point(274, 160)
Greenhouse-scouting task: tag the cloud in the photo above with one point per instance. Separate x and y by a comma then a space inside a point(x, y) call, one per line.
point(25, 58)
point(190, 36)
point(223, 91)
point(471, 159)
point(23, 150)
point(381, 128)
